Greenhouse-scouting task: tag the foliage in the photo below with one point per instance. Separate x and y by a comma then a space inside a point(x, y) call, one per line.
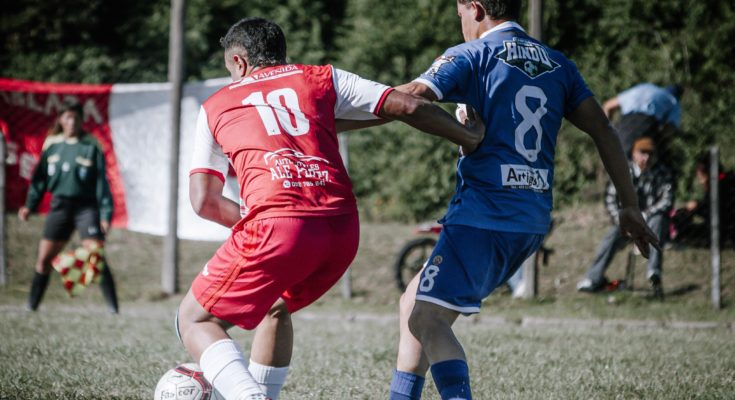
point(398, 173)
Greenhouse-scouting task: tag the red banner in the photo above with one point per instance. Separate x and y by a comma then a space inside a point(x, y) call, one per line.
point(29, 109)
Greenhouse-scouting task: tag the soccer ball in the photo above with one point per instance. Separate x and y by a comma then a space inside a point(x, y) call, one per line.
point(185, 382)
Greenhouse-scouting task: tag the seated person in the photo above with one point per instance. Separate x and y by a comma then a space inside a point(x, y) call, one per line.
point(655, 186)
point(691, 224)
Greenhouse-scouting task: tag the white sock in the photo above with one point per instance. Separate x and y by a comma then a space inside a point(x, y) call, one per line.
point(225, 368)
point(270, 379)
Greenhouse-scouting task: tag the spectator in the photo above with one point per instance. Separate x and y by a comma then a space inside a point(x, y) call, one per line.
point(691, 224)
point(646, 110)
point(654, 184)
point(72, 169)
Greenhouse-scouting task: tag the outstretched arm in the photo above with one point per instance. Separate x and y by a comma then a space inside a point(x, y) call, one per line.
point(420, 113)
point(590, 118)
point(414, 88)
point(205, 194)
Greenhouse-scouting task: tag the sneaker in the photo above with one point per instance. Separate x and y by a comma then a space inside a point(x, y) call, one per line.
point(586, 285)
point(656, 287)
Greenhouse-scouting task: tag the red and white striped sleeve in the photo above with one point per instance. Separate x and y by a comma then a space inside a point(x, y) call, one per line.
point(357, 98)
point(208, 157)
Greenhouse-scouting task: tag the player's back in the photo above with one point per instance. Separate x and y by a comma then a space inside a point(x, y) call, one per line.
point(523, 90)
point(277, 129)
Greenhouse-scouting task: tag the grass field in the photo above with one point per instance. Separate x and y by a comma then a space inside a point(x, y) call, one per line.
point(563, 345)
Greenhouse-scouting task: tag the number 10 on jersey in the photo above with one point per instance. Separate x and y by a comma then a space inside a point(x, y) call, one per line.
point(275, 110)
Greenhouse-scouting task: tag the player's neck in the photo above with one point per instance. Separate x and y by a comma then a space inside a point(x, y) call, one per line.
point(486, 25)
point(252, 70)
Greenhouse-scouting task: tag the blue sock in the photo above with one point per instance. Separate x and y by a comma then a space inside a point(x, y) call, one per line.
point(452, 379)
point(406, 386)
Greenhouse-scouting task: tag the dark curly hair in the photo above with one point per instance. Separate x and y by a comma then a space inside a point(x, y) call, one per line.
point(500, 9)
point(262, 40)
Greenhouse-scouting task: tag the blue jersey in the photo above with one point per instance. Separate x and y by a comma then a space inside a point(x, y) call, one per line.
point(522, 90)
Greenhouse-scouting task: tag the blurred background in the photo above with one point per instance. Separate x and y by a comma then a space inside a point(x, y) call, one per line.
point(401, 177)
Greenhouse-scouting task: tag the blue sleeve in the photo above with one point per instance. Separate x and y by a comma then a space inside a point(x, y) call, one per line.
point(578, 90)
point(449, 77)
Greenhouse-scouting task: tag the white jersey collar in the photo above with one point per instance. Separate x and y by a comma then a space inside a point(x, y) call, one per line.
point(504, 25)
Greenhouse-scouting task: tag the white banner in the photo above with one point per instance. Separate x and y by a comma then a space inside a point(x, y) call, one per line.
point(140, 121)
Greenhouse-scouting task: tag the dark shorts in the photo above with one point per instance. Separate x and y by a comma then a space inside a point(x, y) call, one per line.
point(67, 214)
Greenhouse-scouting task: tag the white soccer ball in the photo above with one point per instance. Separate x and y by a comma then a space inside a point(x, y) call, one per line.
point(185, 382)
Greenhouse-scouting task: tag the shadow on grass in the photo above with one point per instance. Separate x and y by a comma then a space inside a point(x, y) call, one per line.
point(682, 290)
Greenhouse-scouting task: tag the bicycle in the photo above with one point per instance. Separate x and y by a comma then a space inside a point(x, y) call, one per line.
point(414, 253)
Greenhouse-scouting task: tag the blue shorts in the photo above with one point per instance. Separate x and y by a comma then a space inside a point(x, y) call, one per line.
point(468, 263)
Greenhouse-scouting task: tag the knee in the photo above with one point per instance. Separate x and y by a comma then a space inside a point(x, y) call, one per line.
point(189, 314)
point(43, 267)
point(419, 320)
point(183, 322)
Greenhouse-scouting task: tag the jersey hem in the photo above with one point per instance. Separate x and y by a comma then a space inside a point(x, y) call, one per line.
point(295, 213)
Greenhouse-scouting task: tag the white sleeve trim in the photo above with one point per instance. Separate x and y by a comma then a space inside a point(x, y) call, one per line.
point(208, 153)
point(357, 97)
point(437, 92)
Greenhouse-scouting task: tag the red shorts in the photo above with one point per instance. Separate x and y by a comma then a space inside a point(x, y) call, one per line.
point(297, 259)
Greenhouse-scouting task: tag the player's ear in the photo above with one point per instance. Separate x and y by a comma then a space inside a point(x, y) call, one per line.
point(479, 11)
point(241, 64)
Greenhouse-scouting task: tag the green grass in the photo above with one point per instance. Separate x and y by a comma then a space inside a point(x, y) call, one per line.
point(345, 349)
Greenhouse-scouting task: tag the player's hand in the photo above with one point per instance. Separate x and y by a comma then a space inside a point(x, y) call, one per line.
point(471, 119)
point(105, 226)
point(23, 213)
point(633, 225)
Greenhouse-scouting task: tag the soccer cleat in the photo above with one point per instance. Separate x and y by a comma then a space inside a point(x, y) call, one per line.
point(586, 285)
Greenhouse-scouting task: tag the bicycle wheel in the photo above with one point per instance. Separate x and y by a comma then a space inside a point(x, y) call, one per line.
point(411, 259)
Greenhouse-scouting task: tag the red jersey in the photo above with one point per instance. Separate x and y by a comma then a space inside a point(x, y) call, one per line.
point(276, 127)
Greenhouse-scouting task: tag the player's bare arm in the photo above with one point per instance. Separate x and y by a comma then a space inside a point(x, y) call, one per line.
point(205, 194)
point(343, 125)
point(418, 89)
point(414, 88)
point(590, 118)
point(420, 113)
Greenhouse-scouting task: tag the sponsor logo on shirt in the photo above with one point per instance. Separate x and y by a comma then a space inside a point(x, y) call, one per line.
point(530, 58)
point(296, 169)
point(434, 69)
point(524, 177)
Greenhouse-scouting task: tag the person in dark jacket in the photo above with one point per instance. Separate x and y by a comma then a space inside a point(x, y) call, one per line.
point(654, 184)
point(690, 225)
point(72, 169)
